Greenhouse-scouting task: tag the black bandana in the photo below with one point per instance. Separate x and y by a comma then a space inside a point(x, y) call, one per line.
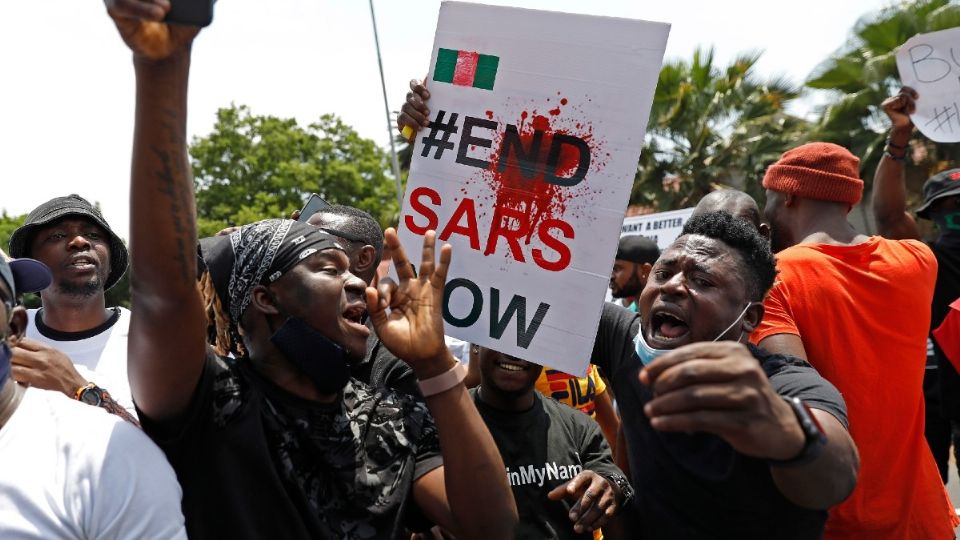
point(258, 253)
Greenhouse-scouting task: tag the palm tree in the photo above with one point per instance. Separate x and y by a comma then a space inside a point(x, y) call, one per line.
point(863, 73)
point(712, 127)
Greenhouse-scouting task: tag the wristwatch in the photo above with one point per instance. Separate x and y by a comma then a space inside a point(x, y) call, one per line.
point(91, 394)
point(816, 439)
point(626, 490)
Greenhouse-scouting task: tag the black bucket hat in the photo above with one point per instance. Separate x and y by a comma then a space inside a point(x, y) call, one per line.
point(939, 186)
point(59, 208)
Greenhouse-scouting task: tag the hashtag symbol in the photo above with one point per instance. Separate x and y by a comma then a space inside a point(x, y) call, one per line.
point(944, 116)
point(436, 126)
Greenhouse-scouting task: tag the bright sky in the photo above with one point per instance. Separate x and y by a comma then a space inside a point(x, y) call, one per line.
point(66, 93)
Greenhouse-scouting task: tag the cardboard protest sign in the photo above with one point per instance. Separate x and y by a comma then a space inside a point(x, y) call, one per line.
point(930, 64)
point(662, 227)
point(537, 120)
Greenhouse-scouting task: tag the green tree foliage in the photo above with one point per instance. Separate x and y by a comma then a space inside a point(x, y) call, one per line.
point(860, 75)
point(255, 167)
point(712, 127)
point(8, 224)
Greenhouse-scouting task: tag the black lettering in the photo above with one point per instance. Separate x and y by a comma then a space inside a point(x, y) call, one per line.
point(518, 305)
point(467, 140)
point(474, 311)
point(583, 164)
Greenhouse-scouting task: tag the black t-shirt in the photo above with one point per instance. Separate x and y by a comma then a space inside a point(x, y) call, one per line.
point(695, 486)
point(542, 448)
point(257, 462)
point(945, 292)
point(380, 368)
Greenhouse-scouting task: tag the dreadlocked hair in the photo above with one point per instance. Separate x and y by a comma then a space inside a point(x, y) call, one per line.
point(222, 334)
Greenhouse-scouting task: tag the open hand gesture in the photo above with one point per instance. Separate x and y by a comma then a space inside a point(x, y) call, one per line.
point(141, 26)
point(413, 327)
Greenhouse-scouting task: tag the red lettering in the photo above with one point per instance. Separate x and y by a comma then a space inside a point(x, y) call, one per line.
point(554, 243)
point(469, 230)
point(513, 236)
point(417, 206)
point(510, 224)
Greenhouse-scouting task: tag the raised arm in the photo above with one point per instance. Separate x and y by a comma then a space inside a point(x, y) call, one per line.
point(889, 182)
point(167, 342)
point(472, 471)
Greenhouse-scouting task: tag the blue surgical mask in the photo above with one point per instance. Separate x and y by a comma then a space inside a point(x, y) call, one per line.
point(648, 354)
point(5, 361)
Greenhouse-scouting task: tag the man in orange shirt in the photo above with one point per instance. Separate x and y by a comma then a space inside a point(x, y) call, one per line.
point(858, 309)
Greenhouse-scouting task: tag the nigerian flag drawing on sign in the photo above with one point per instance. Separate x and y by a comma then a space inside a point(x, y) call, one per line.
point(466, 68)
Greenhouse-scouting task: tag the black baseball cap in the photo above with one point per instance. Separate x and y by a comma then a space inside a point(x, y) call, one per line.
point(637, 249)
point(24, 275)
point(939, 186)
point(62, 207)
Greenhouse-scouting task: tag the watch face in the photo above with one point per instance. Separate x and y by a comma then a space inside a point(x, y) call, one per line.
point(91, 396)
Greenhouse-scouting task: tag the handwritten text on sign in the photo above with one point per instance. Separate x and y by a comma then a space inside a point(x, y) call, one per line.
point(930, 64)
point(526, 169)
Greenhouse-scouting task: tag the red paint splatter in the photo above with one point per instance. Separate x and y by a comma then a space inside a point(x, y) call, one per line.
point(489, 115)
point(563, 101)
point(522, 198)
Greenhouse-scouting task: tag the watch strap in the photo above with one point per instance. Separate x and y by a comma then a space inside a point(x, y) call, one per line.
point(815, 438)
point(94, 390)
point(79, 392)
point(626, 490)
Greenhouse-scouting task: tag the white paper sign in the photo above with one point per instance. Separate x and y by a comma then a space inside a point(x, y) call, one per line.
point(930, 64)
point(537, 120)
point(663, 227)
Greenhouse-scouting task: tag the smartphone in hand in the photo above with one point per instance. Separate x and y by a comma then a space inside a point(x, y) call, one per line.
point(190, 12)
point(314, 204)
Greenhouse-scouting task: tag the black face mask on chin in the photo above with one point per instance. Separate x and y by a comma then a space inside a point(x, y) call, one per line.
point(319, 358)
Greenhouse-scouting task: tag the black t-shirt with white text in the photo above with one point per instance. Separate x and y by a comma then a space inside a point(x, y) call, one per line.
point(257, 462)
point(542, 448)
point(696, 486)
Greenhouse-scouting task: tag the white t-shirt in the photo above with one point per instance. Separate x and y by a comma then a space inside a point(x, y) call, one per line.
point(100, 359)
point(72, 471)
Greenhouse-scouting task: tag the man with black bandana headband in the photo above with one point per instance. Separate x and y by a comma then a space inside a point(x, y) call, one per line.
point(275, 443)
point(941, 204)
point(68, 470)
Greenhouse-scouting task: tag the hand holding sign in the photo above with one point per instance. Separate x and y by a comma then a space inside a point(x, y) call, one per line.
point(414, 112)
point(930, 65)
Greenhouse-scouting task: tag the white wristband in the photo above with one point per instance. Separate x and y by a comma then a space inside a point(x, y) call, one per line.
point(444, 381)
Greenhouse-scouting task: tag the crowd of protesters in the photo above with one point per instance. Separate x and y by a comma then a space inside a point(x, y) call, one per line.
point(762, 377)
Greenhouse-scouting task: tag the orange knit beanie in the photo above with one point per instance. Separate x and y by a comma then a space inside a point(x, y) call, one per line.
point(818, 170)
